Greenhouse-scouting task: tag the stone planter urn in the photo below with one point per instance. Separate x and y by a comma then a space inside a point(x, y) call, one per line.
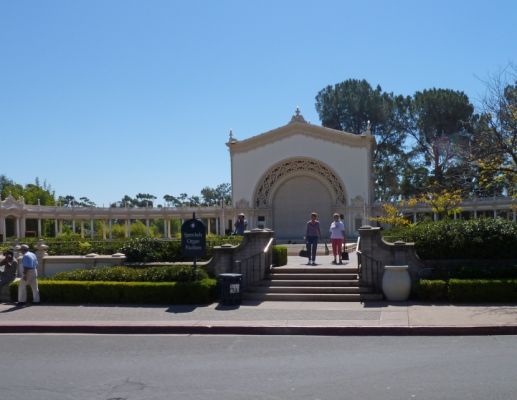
point(396, 283)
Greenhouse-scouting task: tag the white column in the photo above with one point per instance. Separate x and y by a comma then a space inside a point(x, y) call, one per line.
point(92, 228)
point(165, 228)
point(103, 230)
point(110, 232)
point(56, 227)
point(169, 229)
point(82, 229)
point(23, 226)
point(73, 225)
point(414, 217)
point(3, 228)
point(128, 228)
point(217, 226)
point(17, 227)
point(39, 227)
point(147, 230)
point(208, 224)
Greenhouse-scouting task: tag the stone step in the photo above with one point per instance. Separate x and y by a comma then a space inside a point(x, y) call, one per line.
point(310, 282)
point(309, 289)
point(313, 276)
point(341, 269)
point(311, 297)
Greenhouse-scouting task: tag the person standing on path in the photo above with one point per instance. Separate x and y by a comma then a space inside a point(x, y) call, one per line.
point(10, 267)
point(240, 225)
point(312, 234)
point(29, 277)
point(337, 237)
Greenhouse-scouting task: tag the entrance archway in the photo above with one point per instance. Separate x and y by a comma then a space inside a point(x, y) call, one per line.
point(293, 203)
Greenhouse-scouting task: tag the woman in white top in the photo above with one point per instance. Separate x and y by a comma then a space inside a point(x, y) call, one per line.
point(337, 236)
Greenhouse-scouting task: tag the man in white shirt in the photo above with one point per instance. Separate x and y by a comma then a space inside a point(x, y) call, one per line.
point(29, 265)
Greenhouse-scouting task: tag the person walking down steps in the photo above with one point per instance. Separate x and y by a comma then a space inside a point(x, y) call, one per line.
point(337, 237)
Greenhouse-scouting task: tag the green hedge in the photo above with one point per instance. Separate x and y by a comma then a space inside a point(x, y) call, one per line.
point(279, 255)
point(467, 290)
point(435, 290)
point(482, 290)
point(172, 273)
point(74, 292)
point(483, 238)
point(143, 249)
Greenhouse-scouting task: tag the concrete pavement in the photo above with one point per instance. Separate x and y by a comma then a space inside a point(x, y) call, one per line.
point(293, 318)
point(268, 317)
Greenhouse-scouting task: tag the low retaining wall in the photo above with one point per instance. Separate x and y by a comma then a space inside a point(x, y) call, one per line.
point(51, 265)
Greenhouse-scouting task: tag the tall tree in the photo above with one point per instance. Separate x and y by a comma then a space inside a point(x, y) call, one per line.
point(354, 106)
point(441, 121)
point(494, 149)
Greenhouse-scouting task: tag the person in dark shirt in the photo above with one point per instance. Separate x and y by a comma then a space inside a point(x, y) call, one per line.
point(312, 234)
point(240, 225)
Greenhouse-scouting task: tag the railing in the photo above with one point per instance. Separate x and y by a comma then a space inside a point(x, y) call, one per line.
point(370, 271)
point(256, 267)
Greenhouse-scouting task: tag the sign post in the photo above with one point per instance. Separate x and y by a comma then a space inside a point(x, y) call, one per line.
point(193, 238)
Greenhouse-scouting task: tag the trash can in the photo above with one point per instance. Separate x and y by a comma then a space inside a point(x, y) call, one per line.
point(230, 289)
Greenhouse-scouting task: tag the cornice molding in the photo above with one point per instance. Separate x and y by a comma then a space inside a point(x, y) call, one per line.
point(301, 128)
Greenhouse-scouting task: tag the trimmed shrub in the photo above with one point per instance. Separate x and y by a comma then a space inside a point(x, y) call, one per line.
point(279, 255)
point(483, 238)
point(172, 273)
point(482, 290)
point(484, 272)
point(199, 292)
point(431, 290)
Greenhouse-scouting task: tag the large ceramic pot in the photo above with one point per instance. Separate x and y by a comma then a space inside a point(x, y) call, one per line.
point(396, 283)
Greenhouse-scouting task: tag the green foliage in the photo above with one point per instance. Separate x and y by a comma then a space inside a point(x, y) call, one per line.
point(483, 238)
point(172, 273)
point(431, 290)
point(482, 290)
point(483, 272)
point(279, 256)
point(147, 249)
point(198, 292)
point(150, 250)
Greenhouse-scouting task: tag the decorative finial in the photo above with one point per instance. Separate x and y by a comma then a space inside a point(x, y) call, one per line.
point(298, 117)
point(368, 129)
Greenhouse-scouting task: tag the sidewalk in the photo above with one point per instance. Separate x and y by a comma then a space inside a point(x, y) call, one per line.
point(273, 318)
point(267, 318)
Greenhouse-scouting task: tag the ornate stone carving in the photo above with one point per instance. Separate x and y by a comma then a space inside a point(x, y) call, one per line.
point(292, 167)
point(11, 202)
point(297, 117)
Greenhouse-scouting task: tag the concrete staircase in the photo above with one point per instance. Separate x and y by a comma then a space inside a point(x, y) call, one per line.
point(311, 283)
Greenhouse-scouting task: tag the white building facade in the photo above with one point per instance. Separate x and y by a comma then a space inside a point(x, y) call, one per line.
point(279, 177)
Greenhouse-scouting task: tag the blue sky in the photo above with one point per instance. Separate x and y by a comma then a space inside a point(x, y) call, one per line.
point(103, 98)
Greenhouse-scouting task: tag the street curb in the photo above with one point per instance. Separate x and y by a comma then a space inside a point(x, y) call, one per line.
point(263, 330)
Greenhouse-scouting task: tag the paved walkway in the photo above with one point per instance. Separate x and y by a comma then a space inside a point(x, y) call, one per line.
point(295, 318)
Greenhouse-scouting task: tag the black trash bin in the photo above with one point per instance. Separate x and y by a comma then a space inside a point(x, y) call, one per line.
point(230, 286)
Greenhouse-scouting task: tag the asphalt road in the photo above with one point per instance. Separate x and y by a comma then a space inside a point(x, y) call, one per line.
point(56, 367)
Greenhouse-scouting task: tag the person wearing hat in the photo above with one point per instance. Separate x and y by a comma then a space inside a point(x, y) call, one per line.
point(240, 225)
point(29, 277)
point(10, 267)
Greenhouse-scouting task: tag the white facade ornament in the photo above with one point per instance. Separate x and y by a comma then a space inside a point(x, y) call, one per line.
point(232, 139)
point(297, 166)
point(297, 117)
